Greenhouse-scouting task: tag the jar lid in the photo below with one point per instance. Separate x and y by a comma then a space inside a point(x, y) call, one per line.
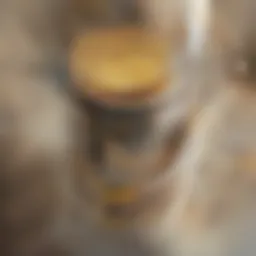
point(119, 65)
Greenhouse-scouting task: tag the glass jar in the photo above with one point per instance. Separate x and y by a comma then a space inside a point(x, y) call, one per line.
point(120, 75)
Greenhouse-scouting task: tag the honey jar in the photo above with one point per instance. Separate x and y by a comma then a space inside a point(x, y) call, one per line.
point(117, 72)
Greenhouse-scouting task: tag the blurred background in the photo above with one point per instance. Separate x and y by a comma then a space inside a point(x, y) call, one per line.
point(43, 124)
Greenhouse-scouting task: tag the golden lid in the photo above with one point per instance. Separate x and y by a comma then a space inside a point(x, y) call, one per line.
point(119, 64)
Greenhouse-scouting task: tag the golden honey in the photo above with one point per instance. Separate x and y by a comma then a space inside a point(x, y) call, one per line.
point(118, 62)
